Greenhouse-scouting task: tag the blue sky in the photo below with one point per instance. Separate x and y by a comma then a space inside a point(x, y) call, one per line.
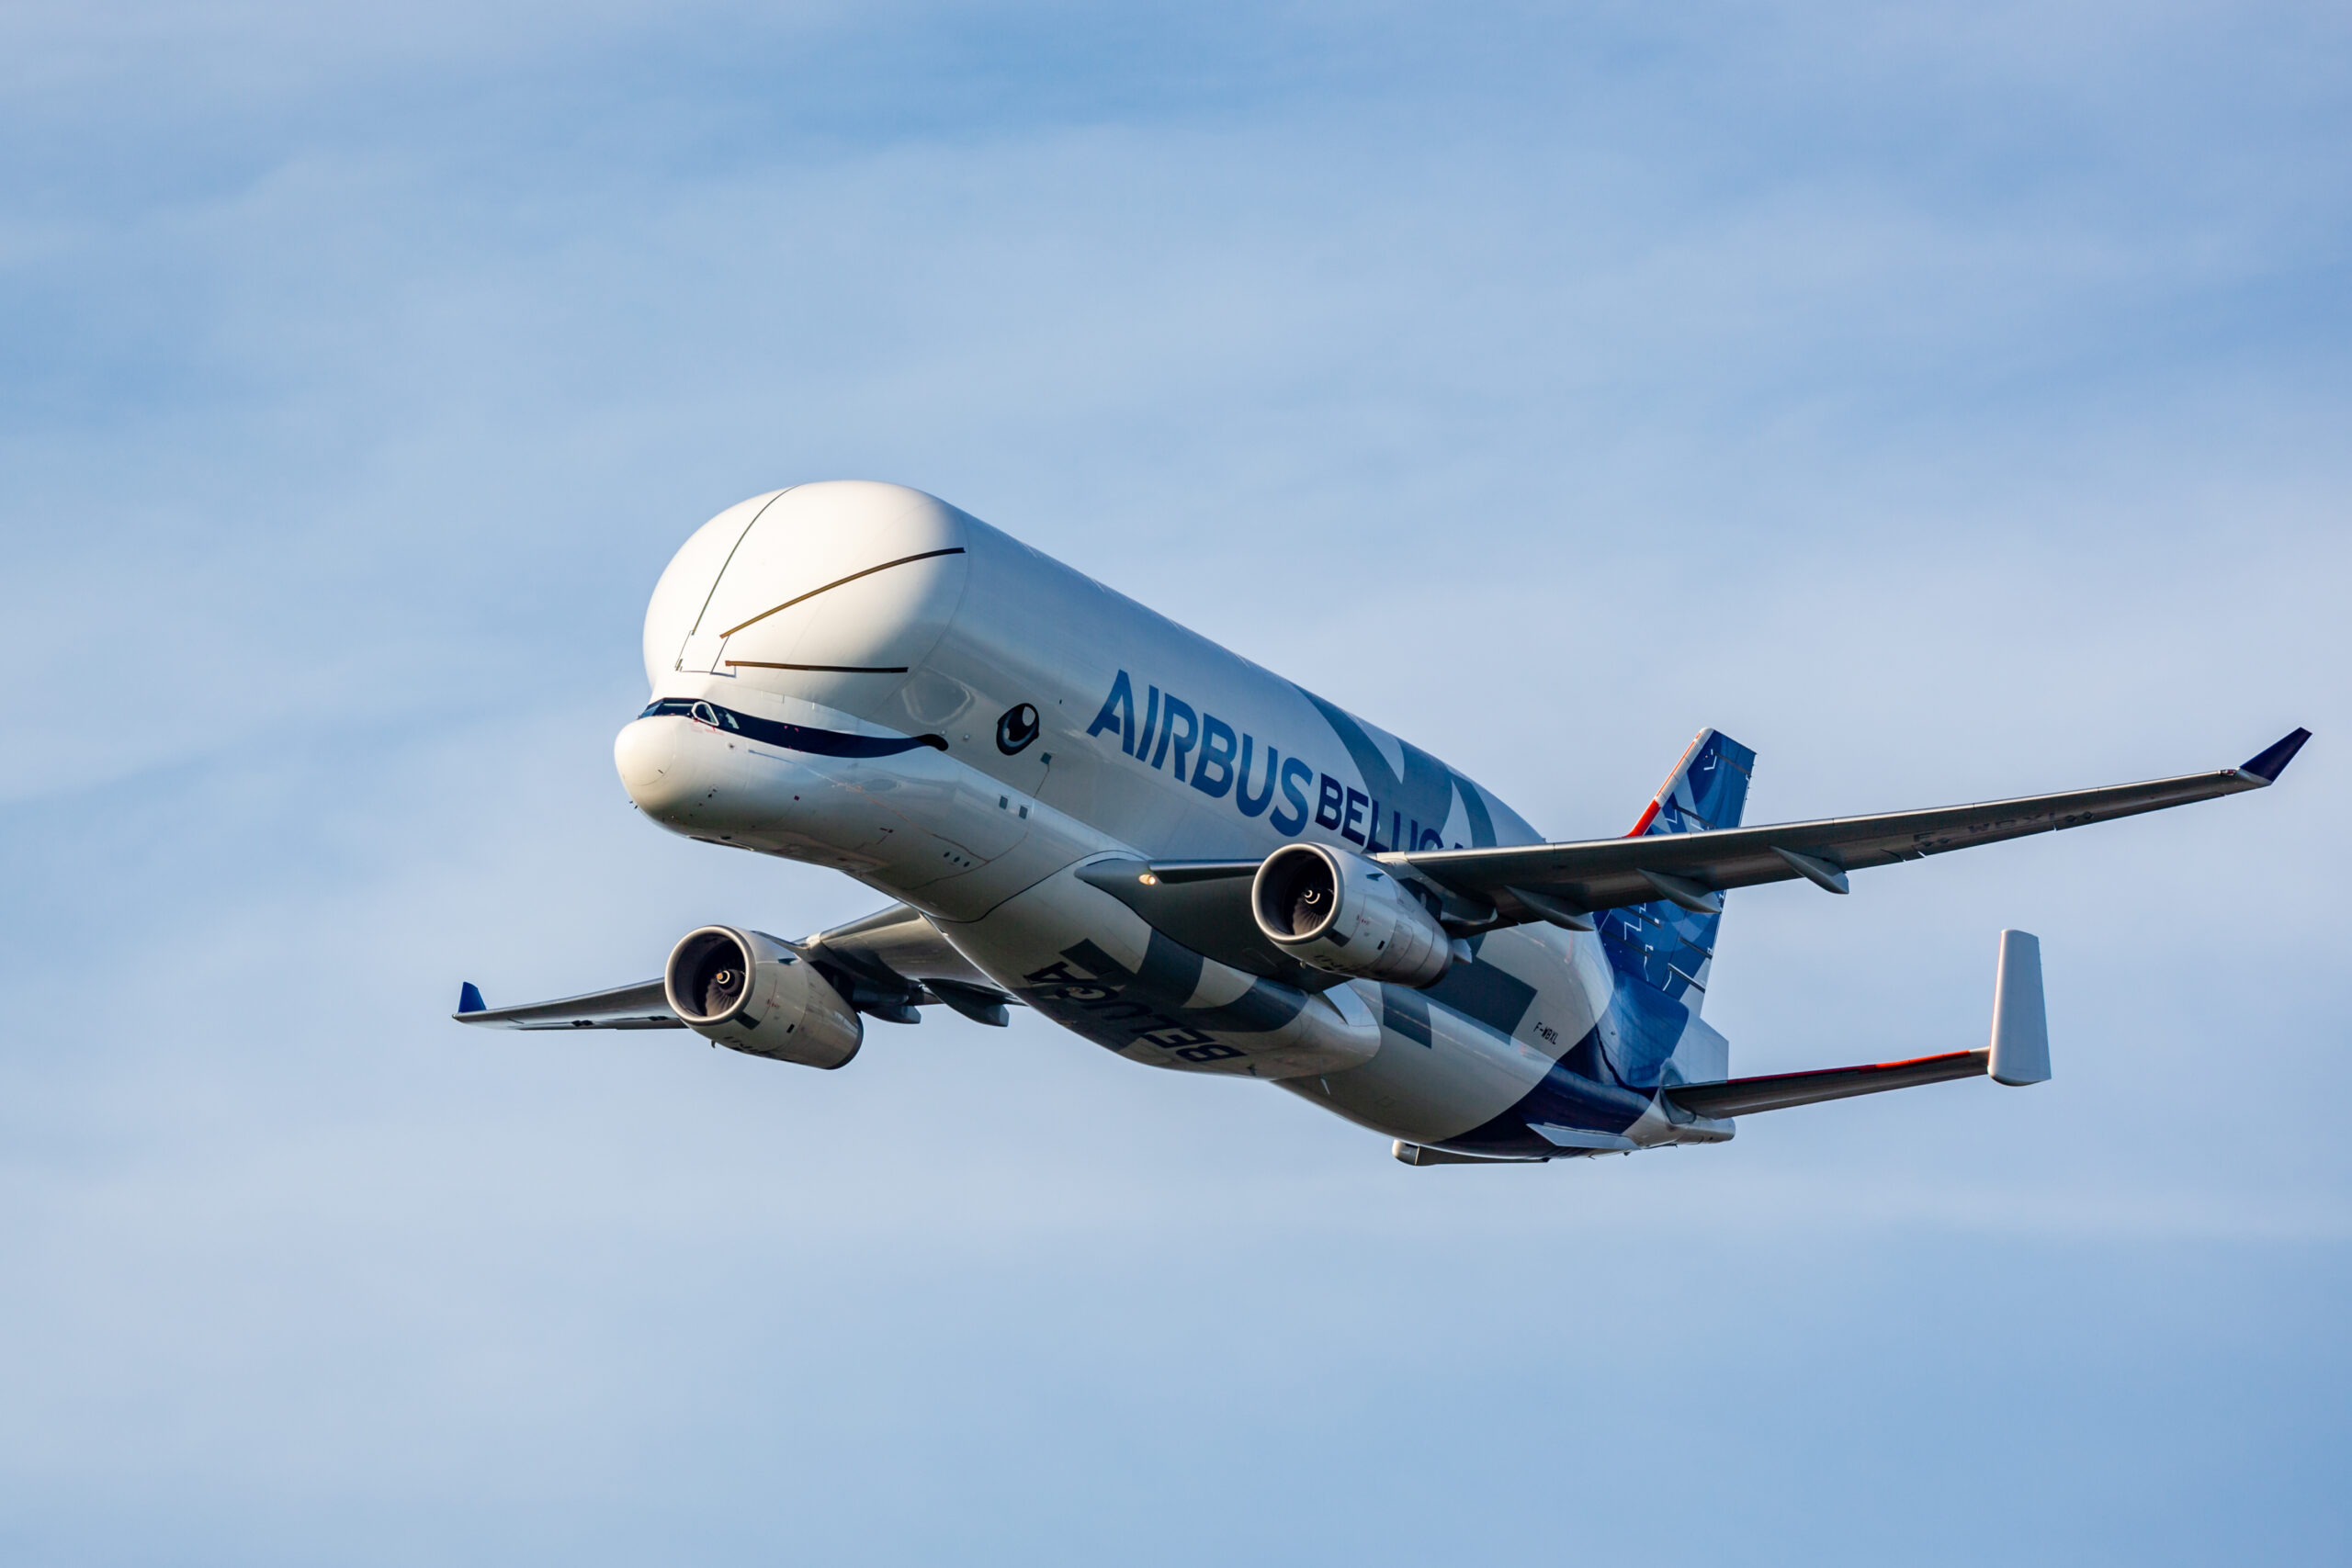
point(1946, 403)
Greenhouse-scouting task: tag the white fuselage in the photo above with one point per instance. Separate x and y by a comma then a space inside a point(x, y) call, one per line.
point(1066, 724)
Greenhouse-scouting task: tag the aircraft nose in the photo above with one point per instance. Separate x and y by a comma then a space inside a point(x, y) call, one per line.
point(646, 752)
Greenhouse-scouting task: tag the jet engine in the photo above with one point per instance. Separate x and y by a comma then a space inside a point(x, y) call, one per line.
point(750, 992)
point(1346, 914)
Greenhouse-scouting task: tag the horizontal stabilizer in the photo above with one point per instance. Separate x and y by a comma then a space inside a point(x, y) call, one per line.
point(2018, 1054)
point(1777, 1092)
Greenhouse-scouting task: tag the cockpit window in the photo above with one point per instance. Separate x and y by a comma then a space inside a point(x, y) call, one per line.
point(791, 737)
point(707, 712)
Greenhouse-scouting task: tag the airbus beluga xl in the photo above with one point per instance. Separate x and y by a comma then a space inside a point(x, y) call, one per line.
point(1079, 806)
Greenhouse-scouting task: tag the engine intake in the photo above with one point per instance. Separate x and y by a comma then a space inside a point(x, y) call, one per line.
point(1347, 915)
point(752, 993)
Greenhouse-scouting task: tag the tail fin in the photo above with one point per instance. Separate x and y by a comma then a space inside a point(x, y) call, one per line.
point(1707, 789)
point(1668, 945)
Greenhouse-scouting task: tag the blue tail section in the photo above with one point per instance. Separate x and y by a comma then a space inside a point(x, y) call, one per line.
point(470, 998)
point(1663, 945)
point(1708, 789)
point(1650, 1033)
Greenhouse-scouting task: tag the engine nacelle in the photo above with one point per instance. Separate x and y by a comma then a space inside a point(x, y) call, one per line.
point(750, 992)
point(1347, 915)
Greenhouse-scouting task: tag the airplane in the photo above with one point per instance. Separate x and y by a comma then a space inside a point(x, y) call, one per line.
point(1077, 805)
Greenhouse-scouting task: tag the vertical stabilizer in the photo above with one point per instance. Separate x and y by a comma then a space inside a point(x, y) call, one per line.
point(1707, 789)
point(1668, 945)
point(2020, 1053)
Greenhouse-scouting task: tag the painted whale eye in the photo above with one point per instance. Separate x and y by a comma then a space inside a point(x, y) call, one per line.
point(1017, 728)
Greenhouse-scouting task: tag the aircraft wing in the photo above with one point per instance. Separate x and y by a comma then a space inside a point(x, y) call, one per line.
point(1206, 904)
point(887, 965)
point(641, 1006)
point(1691, 869)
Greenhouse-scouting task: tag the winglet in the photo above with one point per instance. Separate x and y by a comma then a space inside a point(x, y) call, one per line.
point(469, 998)
point(2271, 764)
